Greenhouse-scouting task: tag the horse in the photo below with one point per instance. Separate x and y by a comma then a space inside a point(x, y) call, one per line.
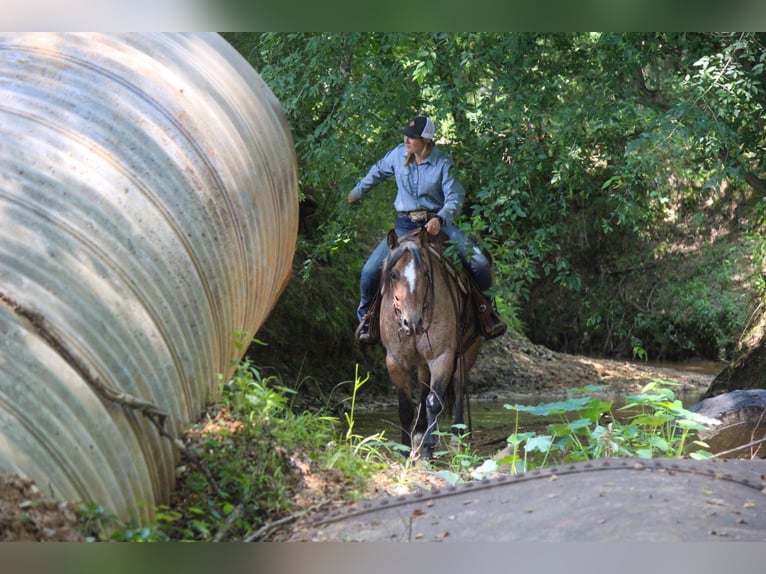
point(429, 330)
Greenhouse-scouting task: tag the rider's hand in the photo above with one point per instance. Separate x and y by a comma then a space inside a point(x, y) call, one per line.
point(350, 198)
point(434, 226)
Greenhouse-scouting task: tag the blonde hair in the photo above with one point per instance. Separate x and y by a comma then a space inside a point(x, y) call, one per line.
point(426, 152)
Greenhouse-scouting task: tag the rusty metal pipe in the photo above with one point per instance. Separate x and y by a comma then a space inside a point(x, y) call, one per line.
point(148, 212)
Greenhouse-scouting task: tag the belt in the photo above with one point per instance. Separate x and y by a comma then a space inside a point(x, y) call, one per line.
point(419, 216)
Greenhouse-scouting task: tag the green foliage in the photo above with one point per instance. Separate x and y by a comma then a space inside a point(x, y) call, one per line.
point(370, 448)
point(584, 427)
point(694, 315)
point(576, 150)
point(252, 451)
point(459, 456)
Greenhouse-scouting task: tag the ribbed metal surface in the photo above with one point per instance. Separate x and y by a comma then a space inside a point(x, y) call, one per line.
point(148, 212)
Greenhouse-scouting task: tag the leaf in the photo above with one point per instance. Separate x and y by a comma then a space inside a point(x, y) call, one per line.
point(644, 453)
point(541, 442)
point(701, 454)
point(449, 477)
point(554, 408)
point(518, 438)
point(487, 468)
point(652, 420)
point(659, 443)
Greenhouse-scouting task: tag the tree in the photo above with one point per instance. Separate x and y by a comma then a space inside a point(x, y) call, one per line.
point(581, 154)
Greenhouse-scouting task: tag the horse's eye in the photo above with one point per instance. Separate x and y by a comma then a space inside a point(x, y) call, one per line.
point(395, 275)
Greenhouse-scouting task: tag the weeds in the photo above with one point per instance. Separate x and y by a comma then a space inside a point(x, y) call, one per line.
point(459, 456)
point(368, 447)
point(258, 455)
point(585, 428)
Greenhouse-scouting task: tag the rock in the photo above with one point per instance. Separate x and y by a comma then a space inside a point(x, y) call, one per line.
point(742, 414)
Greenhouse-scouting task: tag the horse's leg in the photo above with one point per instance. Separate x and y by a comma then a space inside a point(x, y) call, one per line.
point(421, 424)
point(406, 415)
point(402, 382)
point(460, 383)
point(457, 388)
point(441, 371)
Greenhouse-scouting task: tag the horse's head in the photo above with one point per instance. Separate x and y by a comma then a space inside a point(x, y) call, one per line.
point(407, 281)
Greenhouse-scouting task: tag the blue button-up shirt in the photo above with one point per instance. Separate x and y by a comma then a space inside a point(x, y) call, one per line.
point(430, 185)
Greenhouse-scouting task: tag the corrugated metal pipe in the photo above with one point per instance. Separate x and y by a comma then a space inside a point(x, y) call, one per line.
point(148, 214)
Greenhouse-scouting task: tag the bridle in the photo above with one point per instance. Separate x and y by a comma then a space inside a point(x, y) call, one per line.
point(425, 270)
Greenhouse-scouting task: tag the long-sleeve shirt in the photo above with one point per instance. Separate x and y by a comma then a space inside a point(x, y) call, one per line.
point(430, 185)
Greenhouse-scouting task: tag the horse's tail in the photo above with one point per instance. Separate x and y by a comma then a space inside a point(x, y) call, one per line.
point(449, 393)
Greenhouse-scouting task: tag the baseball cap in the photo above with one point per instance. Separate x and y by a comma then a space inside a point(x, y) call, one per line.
point(419, 127)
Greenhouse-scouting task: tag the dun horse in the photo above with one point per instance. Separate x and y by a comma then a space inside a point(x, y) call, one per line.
point(429, 330)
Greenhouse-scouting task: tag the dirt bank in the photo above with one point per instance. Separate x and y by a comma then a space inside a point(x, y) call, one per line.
point(512, 364)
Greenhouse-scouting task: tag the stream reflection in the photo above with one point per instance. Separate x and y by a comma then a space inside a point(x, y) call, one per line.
point(490, 417)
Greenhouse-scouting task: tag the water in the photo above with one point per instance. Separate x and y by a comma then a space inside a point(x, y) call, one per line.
point(489, 417)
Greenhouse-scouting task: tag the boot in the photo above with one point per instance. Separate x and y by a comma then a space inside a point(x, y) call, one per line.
point(491, 324)
point(368, 331)
point(362, 332)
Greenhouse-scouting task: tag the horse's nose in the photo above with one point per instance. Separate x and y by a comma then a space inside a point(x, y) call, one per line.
point(412, 325)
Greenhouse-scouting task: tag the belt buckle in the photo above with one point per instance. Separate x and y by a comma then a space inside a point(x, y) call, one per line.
point(418, 216)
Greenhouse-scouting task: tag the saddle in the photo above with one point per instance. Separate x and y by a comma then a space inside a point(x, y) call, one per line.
point(490, 324)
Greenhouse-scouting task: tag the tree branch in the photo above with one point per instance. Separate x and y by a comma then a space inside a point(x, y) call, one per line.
point(653, 97)
point(757, 183)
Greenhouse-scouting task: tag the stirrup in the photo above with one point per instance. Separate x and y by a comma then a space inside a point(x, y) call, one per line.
point(491, 324)
point(497, 329)
point(362, 332)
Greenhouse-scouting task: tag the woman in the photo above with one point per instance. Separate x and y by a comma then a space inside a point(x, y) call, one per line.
point(428, 195)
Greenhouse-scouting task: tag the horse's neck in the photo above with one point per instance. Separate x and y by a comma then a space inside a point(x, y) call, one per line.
point(451, 270)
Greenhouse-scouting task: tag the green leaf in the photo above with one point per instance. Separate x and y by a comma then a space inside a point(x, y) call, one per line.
point(487, 468)
point(652, 420)
point(554, 408)
point(701, 455)
point(659, 443)
point(541, 443)
point(449, 477)
point(644, 453)
point(518, 438)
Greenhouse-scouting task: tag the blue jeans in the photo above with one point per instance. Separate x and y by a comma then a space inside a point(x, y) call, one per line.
point(478, 264)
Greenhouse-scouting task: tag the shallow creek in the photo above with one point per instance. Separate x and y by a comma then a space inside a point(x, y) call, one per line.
point(492, 421)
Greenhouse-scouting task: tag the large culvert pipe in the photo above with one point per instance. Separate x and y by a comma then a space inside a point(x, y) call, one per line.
point(148, 214)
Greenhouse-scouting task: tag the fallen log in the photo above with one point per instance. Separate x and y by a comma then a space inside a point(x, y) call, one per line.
point(742, 414)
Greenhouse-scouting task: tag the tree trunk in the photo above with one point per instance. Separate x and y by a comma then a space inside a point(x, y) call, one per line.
point(748, 370)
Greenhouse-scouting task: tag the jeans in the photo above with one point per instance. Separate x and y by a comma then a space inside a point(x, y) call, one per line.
point(478, 265)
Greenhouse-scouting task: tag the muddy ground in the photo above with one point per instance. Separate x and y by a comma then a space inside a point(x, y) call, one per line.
point(515, 365)
point(507, 366)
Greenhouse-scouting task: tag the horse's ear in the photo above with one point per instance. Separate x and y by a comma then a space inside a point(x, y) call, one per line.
point(393, 240)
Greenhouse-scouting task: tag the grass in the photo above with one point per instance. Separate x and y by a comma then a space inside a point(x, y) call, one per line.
point(261, 465)
point(258, 465)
